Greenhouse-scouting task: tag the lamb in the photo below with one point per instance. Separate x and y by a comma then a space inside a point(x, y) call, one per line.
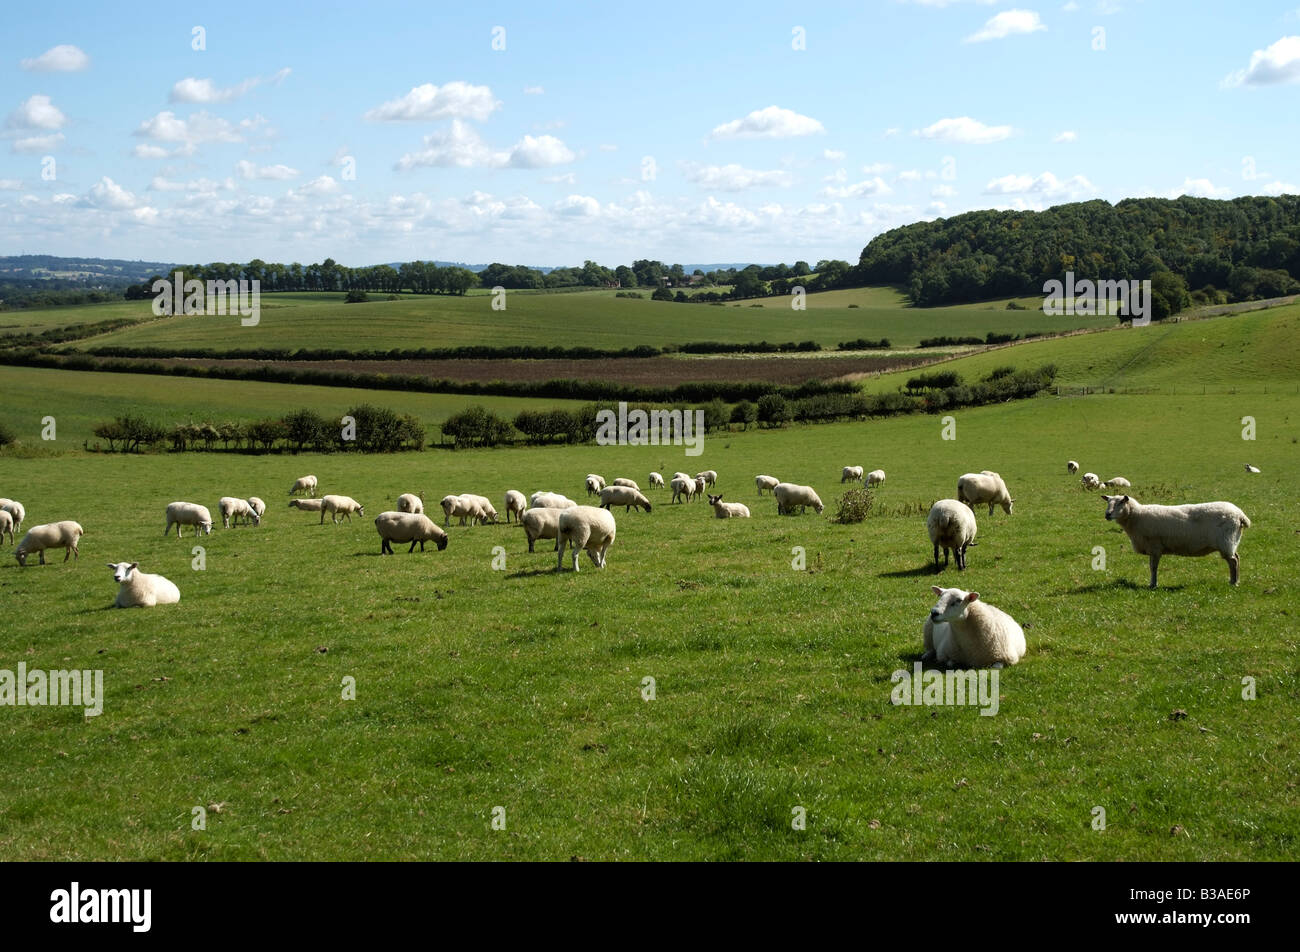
point(409, 502)
point(851, 474)
point(624, 496)
point(340, 506)
point(188, 514)
point(1197, 529)
point(542, 523)
point(409, 527)
point(584, 527)
point(709, 476)
point(232, 508)
point(875, 477)
point(986, 486)
point(16, 510)
point(962, 631)
point(701, 485)
point(307, 505)
point(257, 506)
point(728, 510)
point(6, 525)
point(1090, 481)
point(53, 535)
point(141, 590)
point(682, 487)
point(304, 484)
point(952, 528)
point(1119, 482)
point(1071, 466)
point(629, 483)
point(516, 503)
point(789, 495)
point(1252, 469)
point(765, 482)
point(656, 481)
point(545, 500)
point(595, 483)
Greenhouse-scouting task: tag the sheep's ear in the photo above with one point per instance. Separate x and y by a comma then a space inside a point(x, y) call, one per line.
point(1126, 498)
point(972, 596)
point(134, 565)
point(936, 589)
point(1105, 497)
point(111, 565)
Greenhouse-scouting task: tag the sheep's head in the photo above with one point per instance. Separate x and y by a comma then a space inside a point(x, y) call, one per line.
point(442, 542)
point(252, 513)
point(713, 500)
point(1009, 505)
point(206, 527)
point(21, 555)
point(122, 571)
point(952, 603)
point(819, 507)
point(1116, 507)
point(361, 510)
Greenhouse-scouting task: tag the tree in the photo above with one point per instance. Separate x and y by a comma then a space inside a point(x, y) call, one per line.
point(662, 294)
point(625, 276)
point(772, 409)
point(744, 413)
point(1168, 294)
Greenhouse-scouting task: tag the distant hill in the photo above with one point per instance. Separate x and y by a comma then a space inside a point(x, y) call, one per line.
point(76, 272)
point(547, 269)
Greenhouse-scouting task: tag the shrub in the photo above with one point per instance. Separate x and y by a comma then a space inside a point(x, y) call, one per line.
point(744, 413)
point(356, 296)
point(935, 381)
point(662, 294)
point(6, 435)
point(853, 506)
point(772, 409)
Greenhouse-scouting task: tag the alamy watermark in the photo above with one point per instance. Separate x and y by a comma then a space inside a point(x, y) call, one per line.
point(654, 428)
point(57, 688)
point(1090, 298)
point(946, 688)
point(178, 295)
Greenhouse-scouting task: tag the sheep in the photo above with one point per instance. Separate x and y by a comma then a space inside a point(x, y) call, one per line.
point(53, 535)
point(709, 476)
point(851, 474)
point(453, 505)
point(684, 476)
point(963, 631)
point(656, 481)
point(16, 510)
point(545, 500)
point(304, 484)
point(952, 528)
point(875, 477)
point(409, 502)
point(986, 486)
point(682, 487)
point(765, 482)
point(701, 486)
point(516, 503)
point(257, 506)
point(307, 505)
point(141, 590)
point(486, 512)
point(595, 483)
point(232, 508)
point(409, 527)
point(1196, 529)
point(1071, 466)
point(584, 527)
point(789, 495)
point(728, 510)
point(624, 496)
point(629, 483)
point(541, 523)
point(6, 525)
point(188, 514)
point(1091, 481)
point(340, 506)
point(1119, 482)
point(1252, 469)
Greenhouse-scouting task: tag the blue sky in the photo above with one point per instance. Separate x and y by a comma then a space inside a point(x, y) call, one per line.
point(686, 132)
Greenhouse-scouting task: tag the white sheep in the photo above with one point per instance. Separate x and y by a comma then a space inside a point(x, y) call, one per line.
point(624, 496)
point(516, 503)
point(789, 495)
point(303, 484)
point(454, 506)
point(409, 527)
point(686, 476)
point(584, 527)
point(233, 508)
point(409, 502)
point(188, 514)
point(257, 506)
point(485, 511)
point(6, 525)
point(952, 528)
point(701, 486)
point(682, 487)
point(1118, 482)
point(851, 474)
point(962, 631)
point(546, 500)
point(1195, 530)
point(541, 523)
point(52, 535)
point(595, 483)
point(339, 506)
point(1071, 466)
point(709, 476)
point(16, 510)
point(1252, 469)
point(765, 482)
point(141, 590)
point(623, 481)
point(986, 486)
point(1090, 481)
point(656, 481)
point(728, 510)
point(875, 477)
point(306, 505)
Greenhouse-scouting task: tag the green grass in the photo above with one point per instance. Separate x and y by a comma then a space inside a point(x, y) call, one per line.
point(24, 320)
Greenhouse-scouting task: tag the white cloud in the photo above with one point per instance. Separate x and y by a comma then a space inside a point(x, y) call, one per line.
point(966, 130)
point(909, 175)
point(943, 191)
point(250, 170)
point(203, 186)
point(146, 151)
point(608, 147)
point(108, 194)
point(322, 185)
point(199, 129)
point(582, 206)
point(38, 112)
point(877, 168)
point(204, 91)
point(1046, 184)
point(1280, 188)
point(1199, 188)
point(871, 186)
point(833, 155)
point(459, 146)
point(454, 100)
point(1007, 23)
point(565, 178)
point(736, 178)
point(839, 175)
point(534, 91)
point(936, 208)
point(33, 144)
point(1070, 7)
point(1066, 136)
point(772, 122)
point(890, 132)
point(11, 185)
point(539, 152)
point(1279, 63)
point(64, 58)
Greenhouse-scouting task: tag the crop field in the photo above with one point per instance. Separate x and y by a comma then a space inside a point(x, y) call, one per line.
point(484, 679)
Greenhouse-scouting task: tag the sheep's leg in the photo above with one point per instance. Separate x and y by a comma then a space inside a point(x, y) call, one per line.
point(996, 664)
point(530, 543)
point(1155, 565)
point(42, 556)
point(412, 548)
point(559, 561)
point(1234, 563)
point(322, 517)
point(936, 556)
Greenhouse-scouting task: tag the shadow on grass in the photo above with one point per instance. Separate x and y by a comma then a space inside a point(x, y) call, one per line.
point(927, 569)
point(1119, 584)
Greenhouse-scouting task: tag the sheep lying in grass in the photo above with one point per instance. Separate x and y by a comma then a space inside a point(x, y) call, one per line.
point(188, 514)
point(656, 481)
point(516, 503)
point(306, 505)
point(766, 482)
point(951, 525)
point(682, 488)
point(728, 510)
point(542, 523)
point(709, 476)
point(1252, 469)
point(18, 513)
point(257, 506)
point(624, 496)
point(1195, 530)
point(851, 474)
point(340, 506)
point(409, 502)
point(1118, 482)
point(629, 483)
point(1091, 481)
point(139, 589)
point(6, 525)
point(303, 484)
point(986, 486)
point(962, 631)
point(875, 477)
point(1071, 466)
point(233, 509)
point(584, 527)
point(789, 495)
point(409, 527)
point(595, 483)
point(53, 535)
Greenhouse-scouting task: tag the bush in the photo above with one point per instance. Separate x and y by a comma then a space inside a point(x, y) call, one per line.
point(306, 427)
point(744, 413)
point(935, 381)
point(662, 294)
point(772, 410)
point(853, 506)
point(6, 435)
point(863, 343)
point(356, 296)
point(477, 426)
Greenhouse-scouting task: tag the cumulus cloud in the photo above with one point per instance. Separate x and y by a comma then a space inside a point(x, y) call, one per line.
point(1007, 23)
point(33, 144)
point(10, 185)
point(1279, 63)
point(250, 170)
point(772, 122)
point(943, 191)
point(204, 91)
point(736, 178)
point(64, 58)
point(965, 130)
point(459, 146)
point(1280, 188)
point(1066, 136)
point(580, 206)
point(871, 186)
point(189, 133)
point(108, 194)
point(1046, 184)
point(37, 112)
point(454, 100)
point(833, 155)
point(1199, 188)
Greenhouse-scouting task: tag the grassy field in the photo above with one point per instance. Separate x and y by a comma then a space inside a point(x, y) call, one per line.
point(521, 688)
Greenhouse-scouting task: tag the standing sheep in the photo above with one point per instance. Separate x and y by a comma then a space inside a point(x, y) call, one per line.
point(1195, 530)
point(624, 496)
point(6, 525)
point(656, 481)
point(542, 523)
point(709, 476)
point(257, 506)
point(1071, 467)
point(233, 508)
point(306, 505)
point(876, 477)
point(188, 514)
point(975, 489)
point(595, 483)
point(629, 483)
point(584, 527)
point(485, 511)
point(545, 500)
point(728, 510)
point(340, 506)
point(53, 535)
point(682, 487)
point(962, 631)
point(765, 482)
point(952, 528)
point(789, 495)
point(409, 527)
point(16, 510)
point(409, 502)
point(516, 503)
point(141, 590)
point(701, 486)
point(303, 484)
point(851, 474)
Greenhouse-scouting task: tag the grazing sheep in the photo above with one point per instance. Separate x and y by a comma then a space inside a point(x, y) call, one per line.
point(851, 474)
point(1071, 466)
point(1195, 530)
point(875, 477)
point(1091, 481)
point(409, 527)
point(6, 525)
point(456, 506)
point(975, 489)
point(53, 535)
point(629, 483)
point(584, 527)
point(232, 508)
point(542, 523)
point(1252, 469)
point(141, 590)
point(765, 482)
point(624, 496)
point(789, 495)
point(517, 503)
point(682, 487)
point(962, 631)
point(709, 476)
point(595, 483)
point(188, 514)
point(486, 512)
point(728, 510)
point(656, 481)
point(1119, 482)
point(304, 484)
point(409, 502)
point(307, 505)
point(545, 500)
point(16, 510)
point(952, 528)
point(680, 475)
point(339, 506)
point(257, 506)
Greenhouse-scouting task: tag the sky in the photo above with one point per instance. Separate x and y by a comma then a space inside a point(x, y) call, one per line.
point(551, 134)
